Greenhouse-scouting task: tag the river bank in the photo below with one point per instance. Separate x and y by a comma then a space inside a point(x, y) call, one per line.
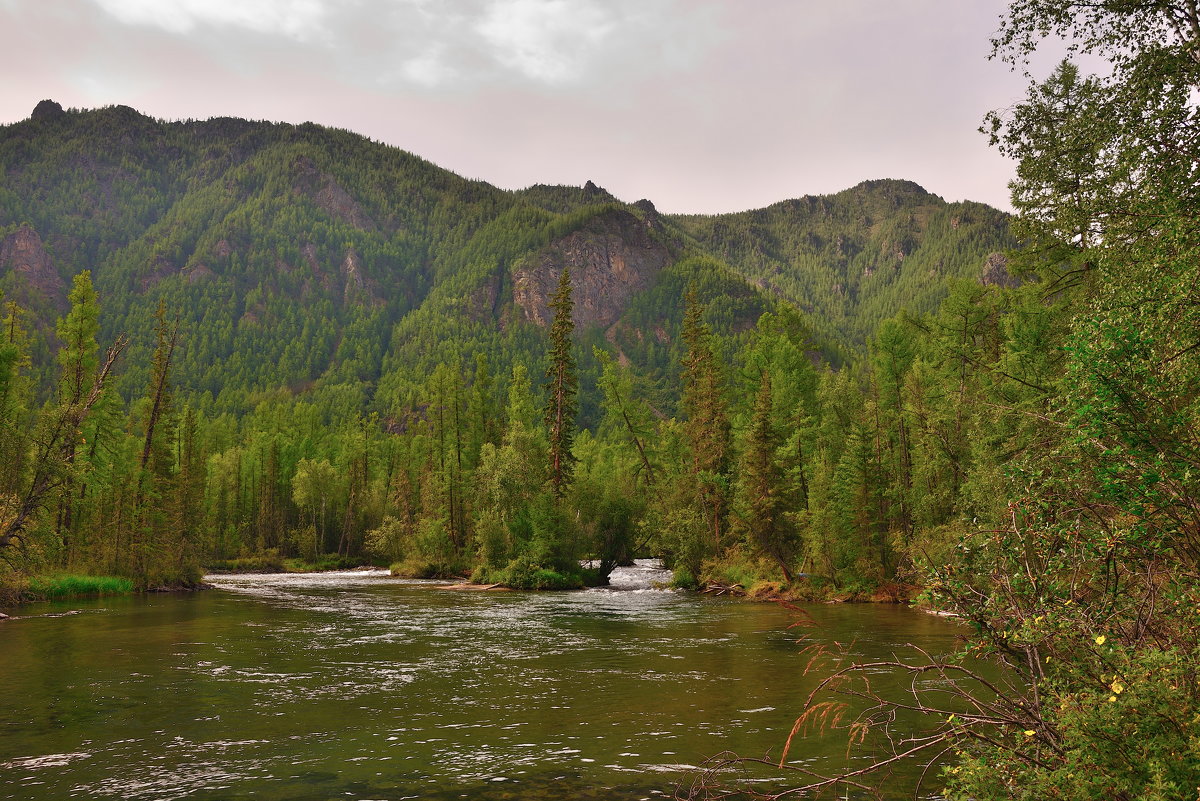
point(808, 592)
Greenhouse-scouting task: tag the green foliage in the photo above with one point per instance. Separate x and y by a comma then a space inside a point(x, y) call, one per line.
point(561, 388)
point(328, 561)
point(858, 257)
point(761, 500)
point(1086, 593)
point(55, 587)
point(526, 573)
point(268, 562)
point(317, 321)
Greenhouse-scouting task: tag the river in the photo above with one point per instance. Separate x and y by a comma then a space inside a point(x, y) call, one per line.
point(356, 685)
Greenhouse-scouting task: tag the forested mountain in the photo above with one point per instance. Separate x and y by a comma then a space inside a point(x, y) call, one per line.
point(323, 344)
point(302, 256)
point(858, 257)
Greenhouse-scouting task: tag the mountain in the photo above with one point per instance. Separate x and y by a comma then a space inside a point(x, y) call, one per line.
point(860, 256)
point(302, 256)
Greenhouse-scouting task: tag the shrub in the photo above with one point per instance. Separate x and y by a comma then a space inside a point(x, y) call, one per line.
point(423, 568)
point(269, 562)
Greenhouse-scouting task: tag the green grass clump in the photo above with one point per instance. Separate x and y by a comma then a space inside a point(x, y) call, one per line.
point(49, 588)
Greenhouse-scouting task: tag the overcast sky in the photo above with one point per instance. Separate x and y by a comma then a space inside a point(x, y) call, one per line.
point(698, 105)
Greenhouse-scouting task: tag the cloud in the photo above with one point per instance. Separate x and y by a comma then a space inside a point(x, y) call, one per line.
point(451, 44)
point(546, 40)
point(301, 20)
point(699, 105)
point(429, 69)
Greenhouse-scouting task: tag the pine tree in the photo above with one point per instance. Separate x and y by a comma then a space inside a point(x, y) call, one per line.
point(762, 488)
point(154, 538)
point(79, 358)
point(14, 397)
point(706, 426)
point(562, 388)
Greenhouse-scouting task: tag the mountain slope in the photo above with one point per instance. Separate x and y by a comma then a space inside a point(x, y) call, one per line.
point(300, 256)
point(857, 257)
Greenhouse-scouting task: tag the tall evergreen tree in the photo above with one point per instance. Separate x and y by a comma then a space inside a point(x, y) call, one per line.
point(764, 504)
point(14, 362)
point(706, 415)
point(78, 357)
point(562, 388)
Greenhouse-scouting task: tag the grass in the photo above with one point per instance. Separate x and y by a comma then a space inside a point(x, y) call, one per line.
point(52, 588)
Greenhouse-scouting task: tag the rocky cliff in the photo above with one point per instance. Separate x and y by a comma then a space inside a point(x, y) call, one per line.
point(612, 257)
point(27, 270)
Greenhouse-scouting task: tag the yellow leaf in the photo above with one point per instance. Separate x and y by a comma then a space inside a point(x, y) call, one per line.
point(1117, 687)
point(1029, 732)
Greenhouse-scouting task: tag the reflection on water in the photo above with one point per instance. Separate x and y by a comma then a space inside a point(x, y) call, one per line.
point(355, 685)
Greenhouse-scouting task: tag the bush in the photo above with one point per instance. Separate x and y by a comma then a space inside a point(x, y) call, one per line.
point(422, 568)
point(388, 542)
point(525, 573)
point(682, 579)
point(268, 562)
point(737, 567)
point(328, 561)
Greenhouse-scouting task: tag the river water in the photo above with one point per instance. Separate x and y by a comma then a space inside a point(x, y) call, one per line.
point(356, 685)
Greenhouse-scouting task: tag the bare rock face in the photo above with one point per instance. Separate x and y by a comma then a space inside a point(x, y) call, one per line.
point(160, 268)
point(995, 272)
point(611, 258)
point(329, 195)
point(357, 288)
point(198, 273)
point(23, 253)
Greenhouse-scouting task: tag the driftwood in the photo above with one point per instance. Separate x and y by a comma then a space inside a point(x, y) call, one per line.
point(714, 588)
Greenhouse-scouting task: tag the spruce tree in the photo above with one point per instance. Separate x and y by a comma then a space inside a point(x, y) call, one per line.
point(79, 357)
point(707, 418)
point(762, 489)
point(14, 366)
point(562, 388)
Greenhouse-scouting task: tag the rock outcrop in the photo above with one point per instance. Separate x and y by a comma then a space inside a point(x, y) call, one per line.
point(612, 257)
point(995, 272)
point(329, 195)
point(357, 288)
point(46, 110)
point(23, 254)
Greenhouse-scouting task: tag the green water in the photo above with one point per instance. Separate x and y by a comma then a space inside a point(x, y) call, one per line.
point(360, 686)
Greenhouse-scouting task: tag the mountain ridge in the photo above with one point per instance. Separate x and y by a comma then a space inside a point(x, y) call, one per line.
point(295, 254)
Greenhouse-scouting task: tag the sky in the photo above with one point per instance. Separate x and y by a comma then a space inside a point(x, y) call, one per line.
point(702, 106)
